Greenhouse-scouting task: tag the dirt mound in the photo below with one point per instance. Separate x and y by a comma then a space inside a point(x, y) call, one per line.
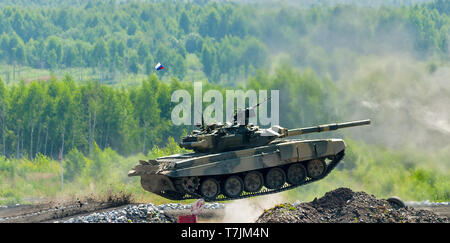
point(345, 206)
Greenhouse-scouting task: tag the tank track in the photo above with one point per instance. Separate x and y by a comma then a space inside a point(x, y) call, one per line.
point(221, 197)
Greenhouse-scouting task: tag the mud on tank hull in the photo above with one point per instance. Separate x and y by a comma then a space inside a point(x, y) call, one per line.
point(276, 167)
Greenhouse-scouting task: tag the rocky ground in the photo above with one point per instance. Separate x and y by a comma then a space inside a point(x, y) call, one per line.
point(142, 213)
point(345, 206)
point(339, 206)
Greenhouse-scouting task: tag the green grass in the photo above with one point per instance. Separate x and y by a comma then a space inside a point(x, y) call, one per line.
point(78, 74)
point(12, 75)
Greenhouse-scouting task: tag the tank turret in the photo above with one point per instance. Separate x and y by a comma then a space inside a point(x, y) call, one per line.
point(215, 138)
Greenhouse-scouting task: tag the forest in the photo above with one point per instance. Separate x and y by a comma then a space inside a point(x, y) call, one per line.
point(106, 40)
point(77, 83)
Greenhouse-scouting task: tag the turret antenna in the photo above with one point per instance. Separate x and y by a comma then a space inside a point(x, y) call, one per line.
point(247, 111)
point(203, 119)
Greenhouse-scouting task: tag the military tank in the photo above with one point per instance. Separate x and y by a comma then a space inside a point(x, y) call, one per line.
point(233, 161)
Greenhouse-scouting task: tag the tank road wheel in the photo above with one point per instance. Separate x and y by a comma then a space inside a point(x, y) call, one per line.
point(253, 181)
point(296, 174)
point(275, 178)
point(190, 184)
point(210, 188)
point(233, 186)
point(316, 168)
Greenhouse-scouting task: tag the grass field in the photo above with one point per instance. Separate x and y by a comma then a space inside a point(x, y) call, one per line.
point(14, 74)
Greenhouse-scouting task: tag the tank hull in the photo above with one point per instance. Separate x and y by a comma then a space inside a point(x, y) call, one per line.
point(181, 176)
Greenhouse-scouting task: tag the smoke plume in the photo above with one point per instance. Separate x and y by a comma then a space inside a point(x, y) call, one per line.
point(248, 210)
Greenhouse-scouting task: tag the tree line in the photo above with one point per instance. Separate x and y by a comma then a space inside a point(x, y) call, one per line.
point(230, 40)
point(59, 115)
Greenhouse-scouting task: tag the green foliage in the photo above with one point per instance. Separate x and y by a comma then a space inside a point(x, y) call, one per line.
point(74, 164)
point(171, 148)
point(232, 40)
point(62, 115)
point(328, 62)
point(185, 23)
point(299, 90)
point(102, 172)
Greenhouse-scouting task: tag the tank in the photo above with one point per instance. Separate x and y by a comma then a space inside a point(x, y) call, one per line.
point(232, 161)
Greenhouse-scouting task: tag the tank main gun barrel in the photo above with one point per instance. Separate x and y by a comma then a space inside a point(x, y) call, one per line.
point(324, 128)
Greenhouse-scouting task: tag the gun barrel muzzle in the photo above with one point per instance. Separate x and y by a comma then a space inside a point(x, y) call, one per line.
point(326, 127)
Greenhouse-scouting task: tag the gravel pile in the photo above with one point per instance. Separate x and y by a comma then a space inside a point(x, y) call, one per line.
point(345, 206)
point(142, 213)
point(179, 206)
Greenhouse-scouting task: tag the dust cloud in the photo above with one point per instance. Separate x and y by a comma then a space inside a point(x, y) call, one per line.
point(248, 210)
point(407, 103)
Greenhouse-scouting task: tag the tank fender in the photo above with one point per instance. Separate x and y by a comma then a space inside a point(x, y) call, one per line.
point(287, 151)
point(150, 168)
point(339, 145)
point(233, 165)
